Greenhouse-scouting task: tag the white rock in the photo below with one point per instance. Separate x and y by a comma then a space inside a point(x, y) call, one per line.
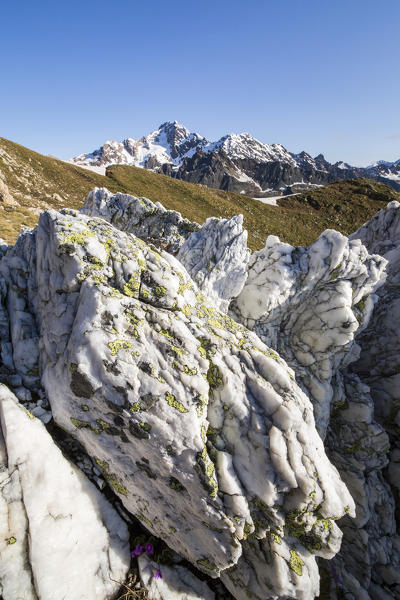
point(216, 257)
point(307, 303)
point(57, 531)
point(176, 583)
point(149, 221)
point(140, 367)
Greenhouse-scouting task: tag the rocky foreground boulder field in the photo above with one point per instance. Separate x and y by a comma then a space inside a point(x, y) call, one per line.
point(238, 410)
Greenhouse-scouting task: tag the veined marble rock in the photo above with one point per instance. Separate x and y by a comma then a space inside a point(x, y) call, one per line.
point(358, 446)
point(149, 221)
point(59, 537)
point(379, 367)
point(216, 257)
point(199, 427)
point(307, 303)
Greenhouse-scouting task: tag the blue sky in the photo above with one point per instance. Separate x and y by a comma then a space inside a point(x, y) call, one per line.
point(323, 76)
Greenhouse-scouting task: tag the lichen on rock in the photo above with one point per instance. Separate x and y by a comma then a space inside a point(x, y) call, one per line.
point(201, 421)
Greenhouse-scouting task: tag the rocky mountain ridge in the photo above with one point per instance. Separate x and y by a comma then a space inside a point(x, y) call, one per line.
point(236, 162)
point(226, 398)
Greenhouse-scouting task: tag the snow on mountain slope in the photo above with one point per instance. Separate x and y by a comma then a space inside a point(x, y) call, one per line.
point(170, 143)
point(244, 145)
point(385, 169)
point(232, 160)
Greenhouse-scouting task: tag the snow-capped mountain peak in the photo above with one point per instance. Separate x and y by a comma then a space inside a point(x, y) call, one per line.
point(245, 146)
point(384, 163)
point(170, 143)
point(238, 162)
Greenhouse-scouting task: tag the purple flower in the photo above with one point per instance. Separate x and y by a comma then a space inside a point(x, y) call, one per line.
point(158, 574)
point(137, 551)
point(149, 548)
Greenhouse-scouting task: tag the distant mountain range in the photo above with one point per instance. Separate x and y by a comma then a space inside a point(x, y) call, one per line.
point(237, 162)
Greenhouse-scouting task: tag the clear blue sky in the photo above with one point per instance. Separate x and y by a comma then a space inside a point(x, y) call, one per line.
point(323, 76)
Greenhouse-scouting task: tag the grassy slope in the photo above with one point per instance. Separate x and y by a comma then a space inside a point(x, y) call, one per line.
point(343, 205)
point(298, 220)
point(38, 182)
point(34, 180)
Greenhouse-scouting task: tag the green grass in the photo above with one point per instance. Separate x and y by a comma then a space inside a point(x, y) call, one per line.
point(298, 220)
point(38, 182)
point(343, 205)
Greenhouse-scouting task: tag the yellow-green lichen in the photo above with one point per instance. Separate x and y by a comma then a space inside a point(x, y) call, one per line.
point(201, 402)
point(296, 524)
point(111, 478)
point(182, 285)
point(206, 347)
point(77, 238)
point(212, 431)
point(108, 245)
point(172, 401)
point(212, 528)
point(145, 520)
point(296, 563)
point(132, 286)
point(79, 424)
point(207, 565)
point(207, 472)
point(187, 310)
point(361, 304)
point(96, 261)
point(174, 484)
point(275, 537)
point(145, 426)
point(335, 272)
point(247, 529)
point(98, 278)
point(166, 333)
point(118, 345)
point(214, 376)
point(177, 351)
point(160, 291)
point(327, 524)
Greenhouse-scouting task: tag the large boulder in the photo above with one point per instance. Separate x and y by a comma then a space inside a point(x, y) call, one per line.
point(216, 257)
point(59, 537)
point(197, 425)
point(307, 303)
point(379, 367)
point(146, 219)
